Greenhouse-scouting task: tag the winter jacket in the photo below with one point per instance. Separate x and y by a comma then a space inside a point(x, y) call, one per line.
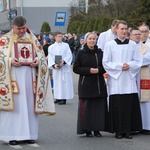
point(90, 85)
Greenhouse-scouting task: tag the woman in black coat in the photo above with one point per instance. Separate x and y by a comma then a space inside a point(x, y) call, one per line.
point(92, 110)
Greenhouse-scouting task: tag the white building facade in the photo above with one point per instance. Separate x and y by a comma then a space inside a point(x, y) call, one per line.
point(38, 11)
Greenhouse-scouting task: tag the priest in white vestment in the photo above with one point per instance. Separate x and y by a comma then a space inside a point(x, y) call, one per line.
point(143, 43)
point(62, 74)
point(122, 62)
point(24, 88)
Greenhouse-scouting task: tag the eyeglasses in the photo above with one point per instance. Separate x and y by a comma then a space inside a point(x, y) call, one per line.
point(144, 31)
point(136, 34)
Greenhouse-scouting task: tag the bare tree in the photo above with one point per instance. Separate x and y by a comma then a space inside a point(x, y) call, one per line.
point(121, 7)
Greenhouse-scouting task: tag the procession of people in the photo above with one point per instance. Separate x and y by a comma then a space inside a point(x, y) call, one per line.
point(117, 104)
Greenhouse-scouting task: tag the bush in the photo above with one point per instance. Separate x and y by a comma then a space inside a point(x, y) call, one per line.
point(45, 28)
point(95, 24)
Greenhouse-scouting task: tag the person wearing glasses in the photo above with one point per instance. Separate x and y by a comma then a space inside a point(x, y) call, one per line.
point(135, 35)
point(144, 29)
point(143, 77)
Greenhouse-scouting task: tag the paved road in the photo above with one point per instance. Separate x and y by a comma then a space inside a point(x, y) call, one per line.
point(59, 133)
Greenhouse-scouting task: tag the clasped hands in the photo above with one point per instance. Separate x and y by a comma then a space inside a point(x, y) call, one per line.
point(15, 62)
point(56, 66)
point(94, 70)
point(125, 67)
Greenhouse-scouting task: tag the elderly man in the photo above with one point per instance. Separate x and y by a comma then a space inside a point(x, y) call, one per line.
point(144, 29)
point(23, 85)
point(140, 36)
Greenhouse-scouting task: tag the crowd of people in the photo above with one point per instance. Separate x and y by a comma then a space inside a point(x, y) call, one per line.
point(75, 42)
point(117, 104)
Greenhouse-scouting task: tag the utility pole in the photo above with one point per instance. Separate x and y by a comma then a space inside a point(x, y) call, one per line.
point(21, 7)
point(86, 6)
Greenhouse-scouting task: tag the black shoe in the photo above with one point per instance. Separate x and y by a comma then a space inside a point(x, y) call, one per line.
point(146, 132)
point(13, 142)
point(97, 134)
point(56, 101)
point(89, 134)
point(29, 141)
point(118, 135)
point(128, 136)
point(62, 102)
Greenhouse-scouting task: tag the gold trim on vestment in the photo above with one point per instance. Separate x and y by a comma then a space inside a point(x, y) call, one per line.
point(15, 87)
point(34, 87)
point(43, 101)
point(144, 75)
point(9, 71)
point(47, 113)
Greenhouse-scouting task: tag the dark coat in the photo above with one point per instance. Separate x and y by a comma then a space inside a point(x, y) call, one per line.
point(71, 43)
point(45, 48)
point(90, 85)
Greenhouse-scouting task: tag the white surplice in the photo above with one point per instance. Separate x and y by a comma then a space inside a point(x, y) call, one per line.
point(115, 55)
point(105, 37)
point(145, 106)
point(22, 122)
point(63, 83)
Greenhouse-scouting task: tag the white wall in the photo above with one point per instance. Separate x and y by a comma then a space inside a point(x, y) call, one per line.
point(43, 3)
point(38, 11)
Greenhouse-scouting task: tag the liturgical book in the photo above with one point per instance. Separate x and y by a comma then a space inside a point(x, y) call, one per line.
point(58, 59)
